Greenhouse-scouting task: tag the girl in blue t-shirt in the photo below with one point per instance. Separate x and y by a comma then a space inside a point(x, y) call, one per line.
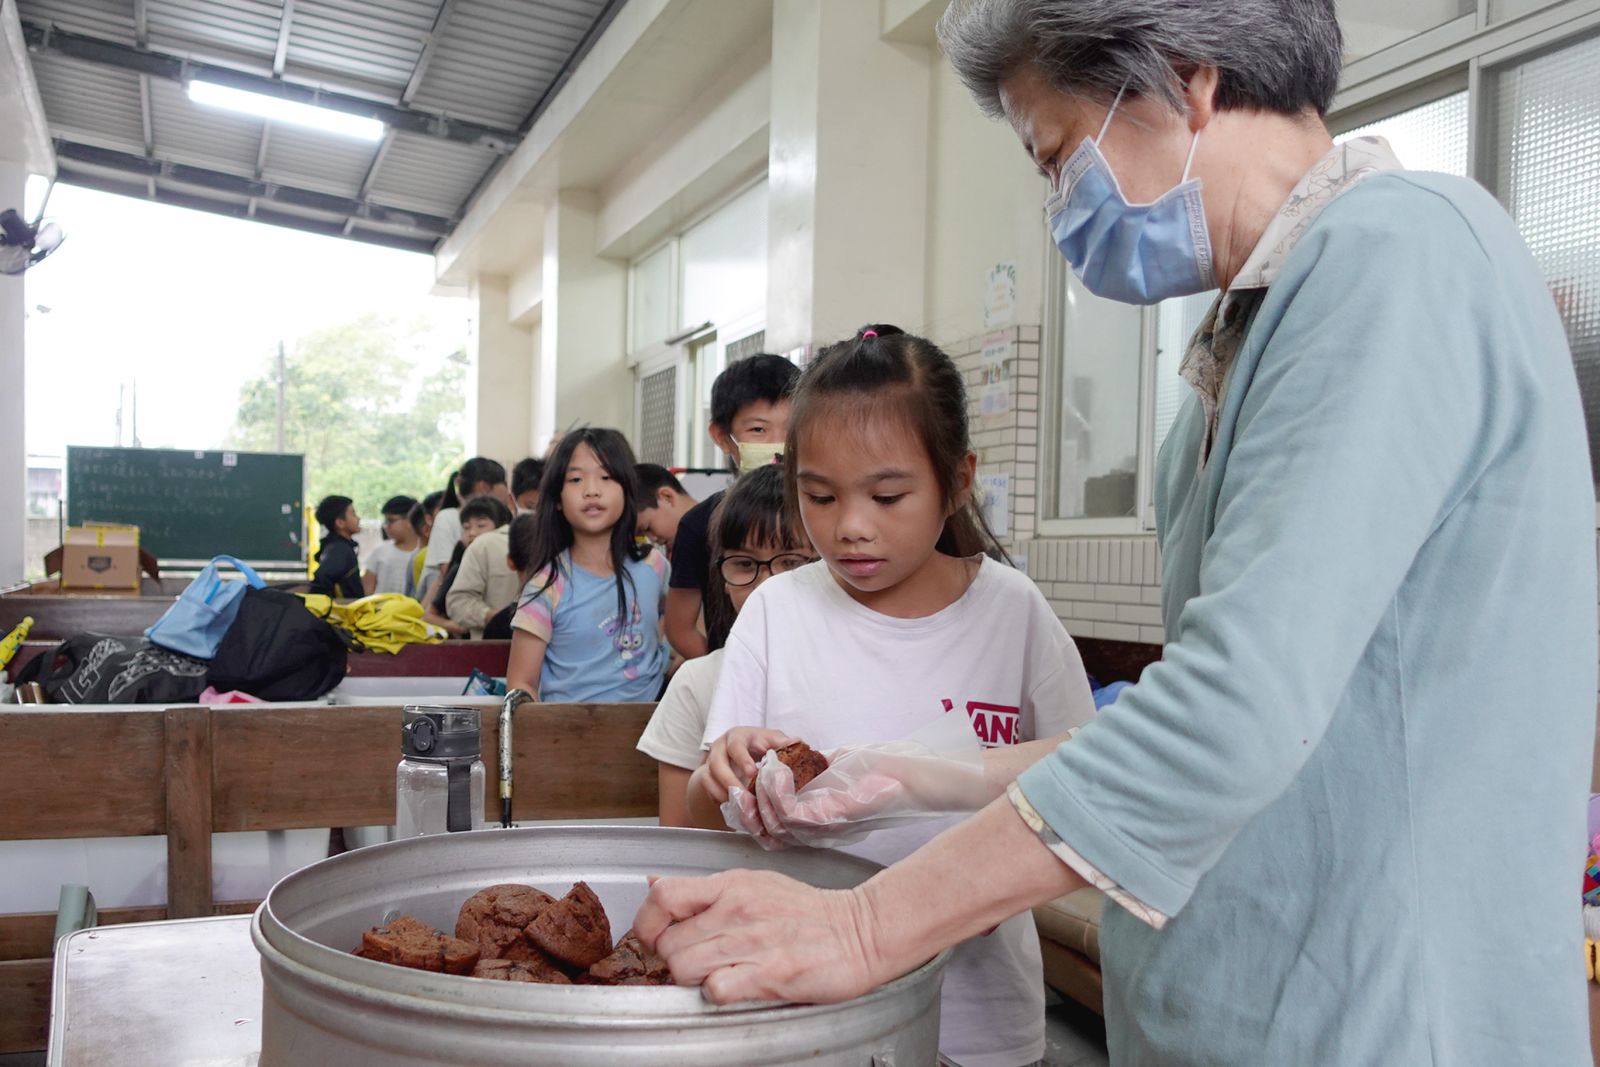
point(588, 624)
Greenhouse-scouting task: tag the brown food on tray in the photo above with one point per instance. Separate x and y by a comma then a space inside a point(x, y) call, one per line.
point(805, 761)
point(494, 918)
point(630, 964)
point(574, 929)
point(539, 970)
point(408, 942)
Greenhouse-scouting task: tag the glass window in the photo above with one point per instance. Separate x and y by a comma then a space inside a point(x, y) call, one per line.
point(1501, 10)
point(1098, 416)
point(1176, 321)
point(1430, 137)
point(725, 261)
point(1372, 25)
point(650, 286)
point(1546, 170)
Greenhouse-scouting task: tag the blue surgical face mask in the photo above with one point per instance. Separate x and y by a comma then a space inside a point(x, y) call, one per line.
point(1135, 253)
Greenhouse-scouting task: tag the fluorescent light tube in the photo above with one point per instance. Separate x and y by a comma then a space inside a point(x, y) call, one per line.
point(276, 109)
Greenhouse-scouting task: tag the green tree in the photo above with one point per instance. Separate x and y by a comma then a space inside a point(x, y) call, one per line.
point(349, 407)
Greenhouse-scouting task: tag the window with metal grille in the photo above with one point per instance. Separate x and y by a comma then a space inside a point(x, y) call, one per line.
point(1547, 168)
point(658, 417)
point(745, 346)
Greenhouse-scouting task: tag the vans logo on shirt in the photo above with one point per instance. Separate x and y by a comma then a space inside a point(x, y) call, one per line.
point(995, 724)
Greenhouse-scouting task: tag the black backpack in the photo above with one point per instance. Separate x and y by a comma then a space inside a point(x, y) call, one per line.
point(277, 650)
point(99, 669)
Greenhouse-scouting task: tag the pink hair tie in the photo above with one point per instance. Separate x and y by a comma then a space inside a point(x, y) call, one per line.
point(869, 333)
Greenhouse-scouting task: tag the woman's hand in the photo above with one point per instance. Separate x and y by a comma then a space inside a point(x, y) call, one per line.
point(733, 756)
point(756, 935)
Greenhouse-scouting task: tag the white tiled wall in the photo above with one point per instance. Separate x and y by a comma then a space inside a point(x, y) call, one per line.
point(1104, 587)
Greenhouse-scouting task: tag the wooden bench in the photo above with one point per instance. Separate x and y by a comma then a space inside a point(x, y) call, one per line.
point(189, 772)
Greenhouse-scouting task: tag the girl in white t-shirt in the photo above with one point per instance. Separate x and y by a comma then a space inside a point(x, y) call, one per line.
point(908, 620)
point(751, 540)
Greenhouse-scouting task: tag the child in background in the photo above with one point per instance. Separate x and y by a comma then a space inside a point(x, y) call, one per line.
point(389, 565)
point(587, 626)
point(479, 516)
point(520, 536)
point(483, 583)
point(908, 621)
point(338, 561)
point(752, 539)
point(478, 477)
point(661, 502)
point(749, 418)
point(525, 479)
point(422, 522)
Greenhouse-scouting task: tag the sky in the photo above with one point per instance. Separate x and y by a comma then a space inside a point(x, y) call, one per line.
point(191, 305)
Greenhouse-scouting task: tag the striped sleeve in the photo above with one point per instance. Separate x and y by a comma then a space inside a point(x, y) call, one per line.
point(536, 607)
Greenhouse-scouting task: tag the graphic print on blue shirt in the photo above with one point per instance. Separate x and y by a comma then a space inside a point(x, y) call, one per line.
point(627, 640)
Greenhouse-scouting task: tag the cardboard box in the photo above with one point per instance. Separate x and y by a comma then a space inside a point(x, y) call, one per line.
point(101, 556)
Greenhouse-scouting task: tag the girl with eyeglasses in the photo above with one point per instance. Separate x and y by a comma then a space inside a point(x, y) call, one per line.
point(911, 618)
point(752, 539)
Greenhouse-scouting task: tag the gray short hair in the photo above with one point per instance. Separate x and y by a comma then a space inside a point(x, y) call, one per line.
point(1273, 55)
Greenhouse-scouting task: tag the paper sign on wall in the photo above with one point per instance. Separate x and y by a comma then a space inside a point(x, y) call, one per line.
point(994, 490)
point(995, 400)
point(996, 349)
point(1000, 296)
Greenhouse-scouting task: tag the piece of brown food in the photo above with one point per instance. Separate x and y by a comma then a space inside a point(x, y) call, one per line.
point(494, 918)
point(803, 760)
point(538, 970)
point(574, 929)
point(630, 964)
point(409, 942)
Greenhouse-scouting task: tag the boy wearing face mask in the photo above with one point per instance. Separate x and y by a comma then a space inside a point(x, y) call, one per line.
point(749, 419)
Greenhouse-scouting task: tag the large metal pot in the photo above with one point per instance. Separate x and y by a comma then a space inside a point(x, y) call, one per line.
point(322, 1005)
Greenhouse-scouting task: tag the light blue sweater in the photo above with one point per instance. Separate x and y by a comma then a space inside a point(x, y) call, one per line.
point(1356, 781)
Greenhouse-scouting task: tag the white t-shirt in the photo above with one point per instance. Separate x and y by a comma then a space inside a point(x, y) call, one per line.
point(678, 724)
point(807, 659)
point(392, 565)
point(443, 537)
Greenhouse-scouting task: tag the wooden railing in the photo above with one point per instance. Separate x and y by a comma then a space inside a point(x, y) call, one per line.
point(189, 772)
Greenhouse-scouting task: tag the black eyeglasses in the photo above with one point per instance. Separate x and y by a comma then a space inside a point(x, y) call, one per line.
point(745, 570)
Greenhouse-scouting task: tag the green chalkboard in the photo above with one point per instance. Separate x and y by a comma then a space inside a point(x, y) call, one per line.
point(193, 505)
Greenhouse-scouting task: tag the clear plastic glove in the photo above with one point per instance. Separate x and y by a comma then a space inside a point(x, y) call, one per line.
point(935, 772)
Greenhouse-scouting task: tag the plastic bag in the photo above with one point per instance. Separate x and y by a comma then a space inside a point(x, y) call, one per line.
point(933, 773)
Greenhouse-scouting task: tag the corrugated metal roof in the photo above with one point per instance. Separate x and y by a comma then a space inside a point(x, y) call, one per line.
point(347, 36)
point(491, 66)
point(427, 174)
point(202, 136)
point(320, 161)
point(499, 57)
point(221, 30)
point(96, 105)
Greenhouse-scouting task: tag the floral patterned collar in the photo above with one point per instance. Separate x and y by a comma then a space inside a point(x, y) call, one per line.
point(1216, 339)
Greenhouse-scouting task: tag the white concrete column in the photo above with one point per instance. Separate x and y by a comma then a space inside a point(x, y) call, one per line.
point(13, 434)
point(502, 374)
point(583, 320)
point(847, 174)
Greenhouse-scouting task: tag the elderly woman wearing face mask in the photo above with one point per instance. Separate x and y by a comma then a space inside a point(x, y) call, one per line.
point(1341, 815)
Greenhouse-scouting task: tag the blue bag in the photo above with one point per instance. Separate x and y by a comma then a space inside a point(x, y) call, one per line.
point(195, 623)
